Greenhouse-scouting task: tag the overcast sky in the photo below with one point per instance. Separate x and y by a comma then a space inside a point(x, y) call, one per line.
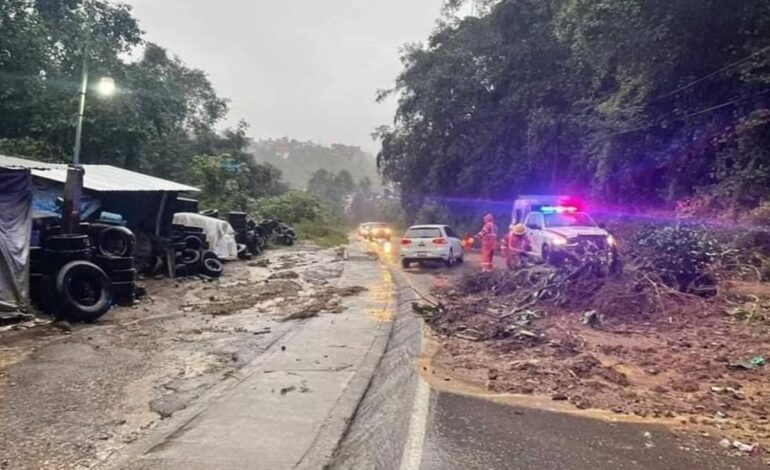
point(306, 69)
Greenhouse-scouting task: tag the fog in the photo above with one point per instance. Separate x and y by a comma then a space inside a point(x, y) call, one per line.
point(307, 69)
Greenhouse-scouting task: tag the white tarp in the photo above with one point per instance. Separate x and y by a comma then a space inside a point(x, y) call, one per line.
point(219, 233)
point(15, 234)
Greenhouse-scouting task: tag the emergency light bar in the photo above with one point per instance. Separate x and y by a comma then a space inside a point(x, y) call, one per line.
point(558, 209)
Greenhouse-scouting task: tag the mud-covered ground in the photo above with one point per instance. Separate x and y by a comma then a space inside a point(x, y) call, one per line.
point(689, 368)
point(72, 396)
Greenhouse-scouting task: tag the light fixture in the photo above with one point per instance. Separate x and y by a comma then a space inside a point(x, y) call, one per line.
point(106, 86)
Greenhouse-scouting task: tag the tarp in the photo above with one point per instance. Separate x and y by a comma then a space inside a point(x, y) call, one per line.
point(219, 233)
point(15, 235)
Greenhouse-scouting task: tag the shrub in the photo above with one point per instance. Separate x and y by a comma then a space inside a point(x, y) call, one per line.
point(292, 208)
point(679, 254)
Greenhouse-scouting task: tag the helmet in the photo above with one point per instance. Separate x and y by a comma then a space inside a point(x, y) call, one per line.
point(519, 229)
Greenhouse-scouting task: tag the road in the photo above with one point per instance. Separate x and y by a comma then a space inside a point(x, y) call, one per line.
point(405, 423)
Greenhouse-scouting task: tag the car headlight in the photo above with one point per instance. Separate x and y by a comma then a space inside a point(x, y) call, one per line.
point(559, 241)
point(611, 240)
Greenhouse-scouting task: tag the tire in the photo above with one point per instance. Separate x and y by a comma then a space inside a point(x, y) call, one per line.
point(237, 217)
point(84, 291)
point(181, 270)
point(451, 260)
point(288, 241)
point(114, 263)
point(461, 259)
point(209, 255)
point(180, 246)
point(193, 242)
point(212, 267)
point(406, 264)
point(190, 229)
point(124, 293)
point(117, 241)
point(67, 243)
point(243, 254)
point(191, 257)
point(128, 275)
point(53, 260)
point(154, 266)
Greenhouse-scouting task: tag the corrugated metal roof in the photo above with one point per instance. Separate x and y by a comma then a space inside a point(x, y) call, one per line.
point(102, 178)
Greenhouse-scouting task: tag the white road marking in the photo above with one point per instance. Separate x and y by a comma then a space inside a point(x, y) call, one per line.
point(411, 458)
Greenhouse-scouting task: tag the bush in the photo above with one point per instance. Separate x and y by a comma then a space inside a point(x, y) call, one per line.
point(324, 233)
point(680, 254)
point(292, 208)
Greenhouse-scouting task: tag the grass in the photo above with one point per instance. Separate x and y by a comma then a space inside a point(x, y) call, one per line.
point(325, 235)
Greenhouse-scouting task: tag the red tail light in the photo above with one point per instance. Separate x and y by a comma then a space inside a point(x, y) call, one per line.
point(406, 241)
point(439, 241)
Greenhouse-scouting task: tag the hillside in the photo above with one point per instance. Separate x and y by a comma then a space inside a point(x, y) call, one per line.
point(299, 160)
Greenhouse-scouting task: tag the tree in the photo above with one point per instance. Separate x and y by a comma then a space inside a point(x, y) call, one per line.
point(614, 99)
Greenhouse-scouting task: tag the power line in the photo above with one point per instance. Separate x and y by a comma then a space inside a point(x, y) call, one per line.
point(712, 74)
point(693, 114)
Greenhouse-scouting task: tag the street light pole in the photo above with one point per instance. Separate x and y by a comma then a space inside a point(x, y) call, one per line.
point(82, 108)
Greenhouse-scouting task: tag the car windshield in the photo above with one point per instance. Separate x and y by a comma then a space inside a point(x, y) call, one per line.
point(568, 220)
point(379, 225)
point(423, 232)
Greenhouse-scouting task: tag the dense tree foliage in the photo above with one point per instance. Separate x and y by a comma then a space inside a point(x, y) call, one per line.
point(629, 101)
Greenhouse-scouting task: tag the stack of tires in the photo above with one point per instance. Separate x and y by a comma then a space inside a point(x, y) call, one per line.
point(255, 238)
point(192, 254)
point(71, 286)
point(115, 255)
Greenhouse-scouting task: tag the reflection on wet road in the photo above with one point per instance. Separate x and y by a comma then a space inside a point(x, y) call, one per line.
point(405, 424)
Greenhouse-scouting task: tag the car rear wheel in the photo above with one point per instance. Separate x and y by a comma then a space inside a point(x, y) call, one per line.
point(406, 264)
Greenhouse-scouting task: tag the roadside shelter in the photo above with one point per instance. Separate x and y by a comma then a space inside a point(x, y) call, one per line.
point(146, 203)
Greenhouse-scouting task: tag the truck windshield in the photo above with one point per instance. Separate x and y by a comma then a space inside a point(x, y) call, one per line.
point(568, 220)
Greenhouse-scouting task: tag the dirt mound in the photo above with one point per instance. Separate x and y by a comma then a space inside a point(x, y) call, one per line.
point(626, 343)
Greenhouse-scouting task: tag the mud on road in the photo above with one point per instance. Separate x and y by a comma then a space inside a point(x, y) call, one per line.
point(688, 368)
point(75, 396)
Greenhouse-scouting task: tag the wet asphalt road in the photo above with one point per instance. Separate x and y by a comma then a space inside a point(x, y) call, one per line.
point(404, 424)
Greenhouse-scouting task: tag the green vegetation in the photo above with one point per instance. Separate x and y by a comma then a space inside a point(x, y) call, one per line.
point(637, 102)
point(298, 161)
point(308, 216)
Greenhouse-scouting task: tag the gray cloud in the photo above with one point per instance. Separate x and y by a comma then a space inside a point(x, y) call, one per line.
point(307, 69)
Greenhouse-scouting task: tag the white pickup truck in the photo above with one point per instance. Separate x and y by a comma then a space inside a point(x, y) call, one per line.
point(556, 227)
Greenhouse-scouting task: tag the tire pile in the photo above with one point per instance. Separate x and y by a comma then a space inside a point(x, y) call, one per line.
point(192, 255)
point(78, 277)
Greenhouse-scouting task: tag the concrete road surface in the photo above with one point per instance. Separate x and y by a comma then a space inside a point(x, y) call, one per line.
point(405, 424)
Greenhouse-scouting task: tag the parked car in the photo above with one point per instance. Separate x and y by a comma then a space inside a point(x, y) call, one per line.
point(431, 243)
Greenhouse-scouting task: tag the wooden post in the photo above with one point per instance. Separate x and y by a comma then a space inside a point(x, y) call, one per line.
point(73, 189)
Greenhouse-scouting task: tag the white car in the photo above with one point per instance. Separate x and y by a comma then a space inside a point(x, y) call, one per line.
point(554, 231)
point(431, 243)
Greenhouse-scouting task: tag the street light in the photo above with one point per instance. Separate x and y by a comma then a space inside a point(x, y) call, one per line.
point(106, 86)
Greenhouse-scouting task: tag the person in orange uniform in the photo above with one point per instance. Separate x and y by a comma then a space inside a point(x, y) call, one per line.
point(488, 237)
point(518, 245)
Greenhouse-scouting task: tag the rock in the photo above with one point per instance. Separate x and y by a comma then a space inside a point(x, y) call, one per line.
point(167, 405)
point(725, 443)
point(492, 374)
point(63, 325)
point(197, 331)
